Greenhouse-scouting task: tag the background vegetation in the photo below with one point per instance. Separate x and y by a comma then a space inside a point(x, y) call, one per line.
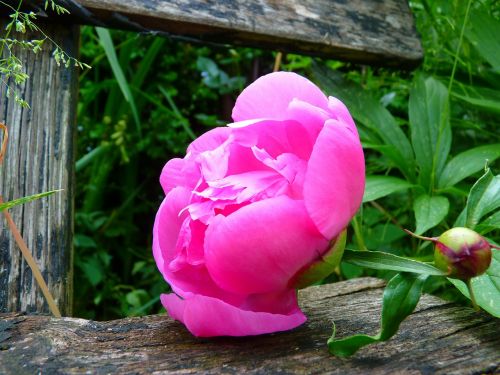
point(146, 98)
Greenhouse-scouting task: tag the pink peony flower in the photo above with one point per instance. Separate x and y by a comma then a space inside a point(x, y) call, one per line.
point(253, 204)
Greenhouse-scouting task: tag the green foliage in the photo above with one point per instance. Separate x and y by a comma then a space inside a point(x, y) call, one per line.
point(142, 103)
point(486, 288)
point(383, 261)
point(11, 67)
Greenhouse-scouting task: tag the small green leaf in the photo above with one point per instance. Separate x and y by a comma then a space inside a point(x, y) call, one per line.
point(15, 202)
point(381, 186)
point(484, 198)
point(486, 287)
point(429, 212)
point(401, 296)
point(385, 261)
point(467, 163)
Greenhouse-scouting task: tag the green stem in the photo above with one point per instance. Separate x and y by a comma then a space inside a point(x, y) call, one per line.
point(471, 294)
point(358, 233)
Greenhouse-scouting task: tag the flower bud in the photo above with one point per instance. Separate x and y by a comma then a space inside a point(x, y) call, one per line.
point(463, 253)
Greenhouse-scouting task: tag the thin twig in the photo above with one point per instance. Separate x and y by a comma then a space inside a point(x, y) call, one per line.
point(387, 214)
point(277, 61)
point(3, 147)
point(31, 263)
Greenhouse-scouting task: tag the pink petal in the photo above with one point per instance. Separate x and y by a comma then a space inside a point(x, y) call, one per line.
point(209, 140)
point(167, 226)
point(270, 95)
point(335, 178)
point(258, 248)
point(187, 279)
point(341, 113)
point(207, 317)
point(311, 117)
point(276, 137)
point(179, 172)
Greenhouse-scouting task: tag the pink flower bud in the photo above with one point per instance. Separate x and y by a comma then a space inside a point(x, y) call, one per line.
point(463, 253)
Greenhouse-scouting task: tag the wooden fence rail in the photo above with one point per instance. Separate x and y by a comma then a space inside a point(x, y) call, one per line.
point(439, 338)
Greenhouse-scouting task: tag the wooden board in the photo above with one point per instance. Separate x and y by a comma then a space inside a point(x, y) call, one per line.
point(40, 157)
point(364, 31)
point(439, 338)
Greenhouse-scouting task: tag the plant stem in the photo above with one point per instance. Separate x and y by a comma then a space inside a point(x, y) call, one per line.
point(358, 233)
point(433, 239)
point(277, 61)
point(472, 296)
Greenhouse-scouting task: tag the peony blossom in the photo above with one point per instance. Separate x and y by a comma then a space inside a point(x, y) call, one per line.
point(254, 204)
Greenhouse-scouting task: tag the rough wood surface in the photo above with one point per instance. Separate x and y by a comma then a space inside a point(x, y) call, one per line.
point(439, 338)
point(366, 31)
point(40, 157)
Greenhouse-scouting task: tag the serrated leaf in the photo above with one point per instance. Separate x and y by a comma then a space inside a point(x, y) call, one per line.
point(467, 163)
point(381, 186)
point(429, 211)
point(15, 202)
point(384, 261)
point(401, 296)
point(486, 287)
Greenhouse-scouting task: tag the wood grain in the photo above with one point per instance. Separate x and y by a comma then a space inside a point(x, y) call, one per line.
point(364, 31)
point(438, 338)
point(40, 157)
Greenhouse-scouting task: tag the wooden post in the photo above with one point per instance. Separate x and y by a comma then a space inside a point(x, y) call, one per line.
point(40, 157)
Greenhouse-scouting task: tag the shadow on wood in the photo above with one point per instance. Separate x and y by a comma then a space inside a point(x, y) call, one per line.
point(438, 338)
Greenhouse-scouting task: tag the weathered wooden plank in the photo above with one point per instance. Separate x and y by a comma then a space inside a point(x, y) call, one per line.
point(40, 157)
point(365, 31)
point(439, 338)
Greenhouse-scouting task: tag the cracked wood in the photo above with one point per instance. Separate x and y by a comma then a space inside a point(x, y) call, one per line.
point(364, 31)
point(438, 338)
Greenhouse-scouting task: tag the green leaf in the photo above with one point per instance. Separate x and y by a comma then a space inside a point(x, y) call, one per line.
point(484, 197)
point(489, 224)
point(371, 113)
point(482, 33)
point(384, 261)
point(430, 128)
point(429, 211)
point(467, 163)
point(486, 287)
point(381, 186)
point(401, 296)
point(109, 49)
point(15, 202)
point(481, 97)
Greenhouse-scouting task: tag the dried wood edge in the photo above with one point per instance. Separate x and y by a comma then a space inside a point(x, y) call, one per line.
point(158, 344)
point(143, 18)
